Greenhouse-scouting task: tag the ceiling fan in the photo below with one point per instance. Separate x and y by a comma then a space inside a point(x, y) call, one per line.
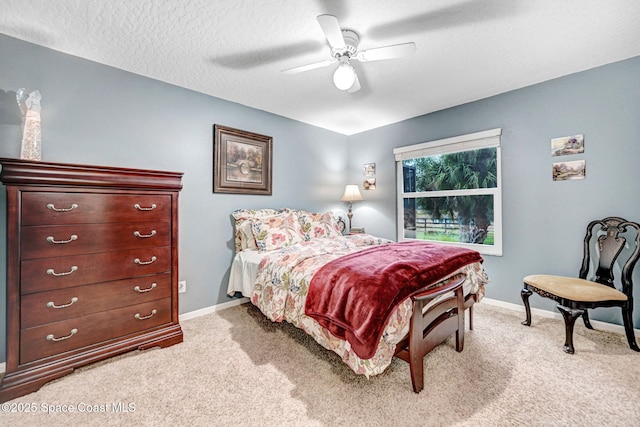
point(344, 48)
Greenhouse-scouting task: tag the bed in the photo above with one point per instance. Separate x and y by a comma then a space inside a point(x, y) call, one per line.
point(286, 258)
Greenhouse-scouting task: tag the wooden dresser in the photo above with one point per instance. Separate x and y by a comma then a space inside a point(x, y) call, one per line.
point(92, 267)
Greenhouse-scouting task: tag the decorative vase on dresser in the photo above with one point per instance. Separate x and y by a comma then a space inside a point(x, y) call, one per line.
point(92, 267)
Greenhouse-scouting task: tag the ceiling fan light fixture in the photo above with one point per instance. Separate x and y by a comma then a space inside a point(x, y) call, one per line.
point(344, 77)
point(344, 47)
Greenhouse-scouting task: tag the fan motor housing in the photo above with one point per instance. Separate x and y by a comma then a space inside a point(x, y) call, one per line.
point(351, 40)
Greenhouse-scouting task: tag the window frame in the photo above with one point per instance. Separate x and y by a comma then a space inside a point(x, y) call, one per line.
point(473, 141)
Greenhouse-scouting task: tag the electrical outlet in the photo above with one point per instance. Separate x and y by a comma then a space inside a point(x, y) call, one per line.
point(182, 286)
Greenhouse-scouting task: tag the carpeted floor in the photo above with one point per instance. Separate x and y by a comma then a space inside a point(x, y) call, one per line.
point(235, 368)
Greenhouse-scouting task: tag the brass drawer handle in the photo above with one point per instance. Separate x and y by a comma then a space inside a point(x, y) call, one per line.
point(53, 208)
point(51, 239)
point(50, 337)
point(144, 236)
point(137, 261)
point(140, 208)
point(152, 287)
point(51, 304)
point(51, 271)
point(140, 317)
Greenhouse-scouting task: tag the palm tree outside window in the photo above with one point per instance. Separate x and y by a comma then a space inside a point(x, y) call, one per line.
point(449, 191)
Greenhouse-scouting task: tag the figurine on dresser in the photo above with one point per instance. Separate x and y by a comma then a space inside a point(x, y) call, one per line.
point(30, 108)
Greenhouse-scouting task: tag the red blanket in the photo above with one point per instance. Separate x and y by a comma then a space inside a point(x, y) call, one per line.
point(354, 295)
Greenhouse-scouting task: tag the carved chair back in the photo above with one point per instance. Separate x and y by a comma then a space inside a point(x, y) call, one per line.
point(616, 239)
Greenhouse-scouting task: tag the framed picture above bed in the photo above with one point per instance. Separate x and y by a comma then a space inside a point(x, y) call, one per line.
point(241, 161)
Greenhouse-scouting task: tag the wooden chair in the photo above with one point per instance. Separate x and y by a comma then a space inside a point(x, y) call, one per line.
point(604, 244)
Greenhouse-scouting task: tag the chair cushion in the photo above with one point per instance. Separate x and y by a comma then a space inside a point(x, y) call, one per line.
point(574, 289)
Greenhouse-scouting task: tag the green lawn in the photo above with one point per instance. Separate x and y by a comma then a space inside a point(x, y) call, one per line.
point(450, 236)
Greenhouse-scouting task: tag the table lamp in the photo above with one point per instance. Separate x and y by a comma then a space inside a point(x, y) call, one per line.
point(351, 194)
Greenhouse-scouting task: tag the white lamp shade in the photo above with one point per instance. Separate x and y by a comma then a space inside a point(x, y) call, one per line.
point(351, 194)
point(344, 77)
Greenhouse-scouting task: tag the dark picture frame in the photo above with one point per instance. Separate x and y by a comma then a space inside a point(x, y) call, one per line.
point(242, 161)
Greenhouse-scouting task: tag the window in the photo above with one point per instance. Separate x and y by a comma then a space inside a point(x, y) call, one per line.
point(449, 191)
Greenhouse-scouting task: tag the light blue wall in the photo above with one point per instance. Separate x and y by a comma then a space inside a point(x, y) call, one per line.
point(99, 115)
point(93, 114)
point(543, 221)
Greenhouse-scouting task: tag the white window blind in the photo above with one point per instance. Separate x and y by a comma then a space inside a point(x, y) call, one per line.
point(472, 141)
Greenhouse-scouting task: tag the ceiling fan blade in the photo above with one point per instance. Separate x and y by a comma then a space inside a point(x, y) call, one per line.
point(355, 86)
point(332, 31)
point(308, 67)
point(386, 52)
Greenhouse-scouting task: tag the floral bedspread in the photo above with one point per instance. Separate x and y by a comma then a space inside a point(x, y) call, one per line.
point(283, 281)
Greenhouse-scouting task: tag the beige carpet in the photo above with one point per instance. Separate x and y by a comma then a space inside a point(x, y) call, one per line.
point(235, 368)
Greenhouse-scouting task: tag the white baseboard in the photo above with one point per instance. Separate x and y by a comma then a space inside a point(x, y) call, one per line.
point(212, 309)
point(610, 327)
point(603, 326)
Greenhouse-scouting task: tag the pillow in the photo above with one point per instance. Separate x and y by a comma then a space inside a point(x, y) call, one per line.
point(247, 241)
point(318, 225)
point(243, 233)
point(277, 231)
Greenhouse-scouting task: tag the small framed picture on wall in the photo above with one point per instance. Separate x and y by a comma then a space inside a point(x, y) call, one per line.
point(369, 169)
point(369, 184)
point(564, 171)
point(567, 145)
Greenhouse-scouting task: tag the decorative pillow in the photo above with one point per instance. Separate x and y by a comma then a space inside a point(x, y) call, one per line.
point(247, 241)
point(277, 231)
point(318, 225)
point(243, 233)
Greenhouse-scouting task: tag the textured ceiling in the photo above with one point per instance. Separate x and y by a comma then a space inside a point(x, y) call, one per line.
point(236, 49)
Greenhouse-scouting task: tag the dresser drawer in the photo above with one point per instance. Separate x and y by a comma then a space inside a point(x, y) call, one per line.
point(55, 338)
point(62, 304)
point(63, 240)
point(47, 274)
point(40, 208)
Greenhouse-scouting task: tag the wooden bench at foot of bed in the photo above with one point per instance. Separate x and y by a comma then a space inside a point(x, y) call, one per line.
point(430, 328)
